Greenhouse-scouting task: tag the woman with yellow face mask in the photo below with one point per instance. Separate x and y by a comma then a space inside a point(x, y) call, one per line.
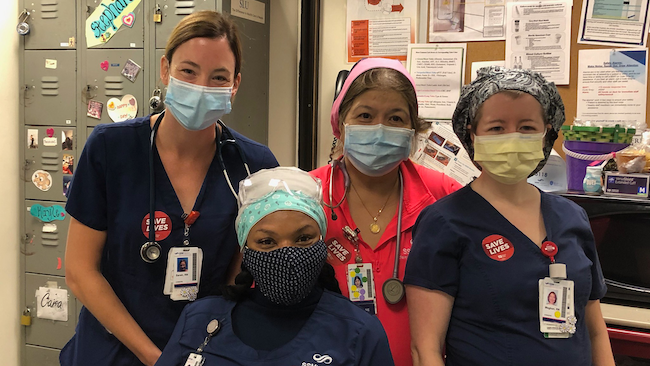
point(486, 258)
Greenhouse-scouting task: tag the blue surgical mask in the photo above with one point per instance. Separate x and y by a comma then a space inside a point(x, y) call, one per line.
point(197, 107)
point(377, 149)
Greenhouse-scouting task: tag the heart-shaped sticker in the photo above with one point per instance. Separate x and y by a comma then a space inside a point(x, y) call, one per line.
point(122, 110)
point(128, 19)
point(104, 65)
point(50, 132)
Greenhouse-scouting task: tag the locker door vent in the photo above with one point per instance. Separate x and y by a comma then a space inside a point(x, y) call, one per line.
point(184, 7)
point(50, 86)
point(49, 9)
point(50, 161)
point(113, 86)
point(50, 239)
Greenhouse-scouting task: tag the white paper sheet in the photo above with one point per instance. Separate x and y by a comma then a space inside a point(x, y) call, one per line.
point(612, 86)
point(439, 73)
point(480, 64)
point(52, 303)
point(440, 149)
point(614, 23)
point(539, 38)
point(462, 21)
point(380, 28)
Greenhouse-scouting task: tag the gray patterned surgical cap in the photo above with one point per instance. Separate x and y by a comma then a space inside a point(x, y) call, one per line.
point(494, 79)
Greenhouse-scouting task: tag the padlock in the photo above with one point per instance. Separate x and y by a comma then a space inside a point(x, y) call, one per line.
point(23, 28)
point(157, 14)
point(155, 101)
point(26, 318)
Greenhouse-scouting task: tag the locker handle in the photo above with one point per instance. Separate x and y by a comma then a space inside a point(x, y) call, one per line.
point(87, 93)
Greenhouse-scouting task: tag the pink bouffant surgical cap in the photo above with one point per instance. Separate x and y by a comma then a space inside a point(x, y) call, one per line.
point(359, 68)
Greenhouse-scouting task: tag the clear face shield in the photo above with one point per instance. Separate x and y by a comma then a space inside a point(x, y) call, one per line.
point(282, 188)
point(288, 179)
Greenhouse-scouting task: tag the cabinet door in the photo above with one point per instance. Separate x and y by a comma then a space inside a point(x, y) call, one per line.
point(105, 81)
point(50, 88)
point(172, 11)
point(41, 356)
point(250, 110)
point(46, 332)
point(50, 158)
point(52, 24)
point(46, 230)
point(112, 17)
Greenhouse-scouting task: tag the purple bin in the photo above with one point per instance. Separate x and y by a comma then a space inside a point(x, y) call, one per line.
point(577, 168)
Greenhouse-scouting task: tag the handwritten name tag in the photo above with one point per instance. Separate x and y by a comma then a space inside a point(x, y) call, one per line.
point(52, 303)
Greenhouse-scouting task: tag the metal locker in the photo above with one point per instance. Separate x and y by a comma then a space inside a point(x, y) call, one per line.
point(46, 231)
point(250, 110)
point(105, 81)
point(50, 88)
point(158, 81)
point(52, 24)
point(124, 37)
point(172, 11)
point(46, 332)
point(50, 158)
point(41, 356)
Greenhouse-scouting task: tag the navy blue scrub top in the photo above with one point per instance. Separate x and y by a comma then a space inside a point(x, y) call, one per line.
point(495, 318)
point(110, 192)
point(337, 333)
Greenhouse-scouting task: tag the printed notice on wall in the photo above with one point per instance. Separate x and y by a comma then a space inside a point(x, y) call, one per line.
point(249, 9)
point(539, 38)
point(439, 149)
point(52, 303)
point(462, 21)
point(614, 23)
point(612, 86)
point(380, 28)
point(439, 71)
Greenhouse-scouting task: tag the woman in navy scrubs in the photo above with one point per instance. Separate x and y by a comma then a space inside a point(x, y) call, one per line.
point(473, 275)
point(132, 299)
point(295, 315)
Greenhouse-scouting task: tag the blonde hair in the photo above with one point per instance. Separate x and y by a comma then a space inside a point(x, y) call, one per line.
point(205, 24)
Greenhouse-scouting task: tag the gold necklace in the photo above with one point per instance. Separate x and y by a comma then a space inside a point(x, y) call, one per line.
point(374, 227)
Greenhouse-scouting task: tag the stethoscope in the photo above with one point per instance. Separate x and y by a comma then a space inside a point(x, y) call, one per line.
point(151, 250)
point(393, 288)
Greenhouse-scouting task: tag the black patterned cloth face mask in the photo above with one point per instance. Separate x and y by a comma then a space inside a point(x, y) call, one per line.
point(287, 275)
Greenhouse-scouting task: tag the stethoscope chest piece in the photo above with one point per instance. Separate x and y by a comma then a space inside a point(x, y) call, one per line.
point(150, 251)
point(393, 290)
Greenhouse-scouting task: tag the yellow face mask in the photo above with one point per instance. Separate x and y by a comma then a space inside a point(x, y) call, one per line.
point(511, 157)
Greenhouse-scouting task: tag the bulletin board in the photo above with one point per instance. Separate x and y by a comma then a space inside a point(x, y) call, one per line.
point(495, 51)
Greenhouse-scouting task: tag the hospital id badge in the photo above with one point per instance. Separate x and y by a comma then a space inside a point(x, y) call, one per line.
point(194, 359)
point(183, 273)
point(556, 308)
point(361, 284)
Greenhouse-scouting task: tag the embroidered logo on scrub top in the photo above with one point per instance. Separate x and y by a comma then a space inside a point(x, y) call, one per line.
point(337, 253)
point(162, 226)
point(497, 247)
point(320, 359)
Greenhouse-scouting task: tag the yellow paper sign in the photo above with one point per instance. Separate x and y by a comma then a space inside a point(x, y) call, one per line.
point(107, 19)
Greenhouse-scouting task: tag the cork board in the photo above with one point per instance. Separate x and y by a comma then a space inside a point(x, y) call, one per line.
point(495, 51)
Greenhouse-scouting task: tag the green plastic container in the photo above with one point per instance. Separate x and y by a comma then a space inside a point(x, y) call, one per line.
point(616, 134)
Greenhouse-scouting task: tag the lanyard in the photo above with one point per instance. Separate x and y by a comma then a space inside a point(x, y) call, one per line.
point(393, 288)
point(150, 251)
